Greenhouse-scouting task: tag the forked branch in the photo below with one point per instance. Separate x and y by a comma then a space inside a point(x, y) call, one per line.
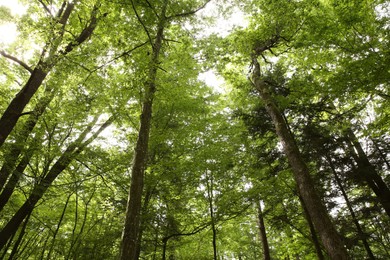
point(21, 63)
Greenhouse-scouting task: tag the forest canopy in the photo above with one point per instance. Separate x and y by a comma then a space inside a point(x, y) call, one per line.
point(195, 129)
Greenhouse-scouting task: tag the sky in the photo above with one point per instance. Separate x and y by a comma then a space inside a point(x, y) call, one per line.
point(222, 26)
point(8, 31)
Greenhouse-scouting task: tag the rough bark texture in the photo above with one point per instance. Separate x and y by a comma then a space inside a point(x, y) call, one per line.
point(131, 229)
point(318, 213)
point(210, 188)
point(262, 232)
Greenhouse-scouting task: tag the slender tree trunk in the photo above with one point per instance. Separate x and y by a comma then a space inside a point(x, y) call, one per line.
point(17, 148)
point(381, 154)
point(359, 229)
point(19, 240)
point(128, 250)
point(318, 213)
point(368, 172)
point(58, 227)
point(38, 191)
point(210, 188)
point(14, 110)
point(313, 232)
point(262, 232)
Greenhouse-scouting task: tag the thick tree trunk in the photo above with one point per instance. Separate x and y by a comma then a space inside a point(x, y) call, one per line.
point(14, 110)
point(368, 172)
point(11, 158)
point(359, 229)
point(318, 213)
point(131, 229)
point(381, 153)
point(262, 232)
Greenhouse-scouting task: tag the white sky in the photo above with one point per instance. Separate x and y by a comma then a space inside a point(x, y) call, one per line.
point(8, 31)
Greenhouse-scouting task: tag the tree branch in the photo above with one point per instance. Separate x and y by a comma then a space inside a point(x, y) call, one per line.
point(189, 12)
point(141, 22)
point(21, 63)
point(46, 8)
point(85, 34)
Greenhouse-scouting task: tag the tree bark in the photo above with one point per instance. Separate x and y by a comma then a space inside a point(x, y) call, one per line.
point(313, 232)
point(318, 213)
point(128, 250)
point(19, 240)
point(15, 108)
point(45, 64)
point(262, 232)
point(11, 158)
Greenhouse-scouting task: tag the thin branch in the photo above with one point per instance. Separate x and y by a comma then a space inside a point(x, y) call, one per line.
point(162, 69)
point(151, 7)
point(21, 63)
point(46, 8)
point(170, 40)
point(59, 13)
point(78, 64)
point(141, 22)
point(113, 59)
point(189, 12)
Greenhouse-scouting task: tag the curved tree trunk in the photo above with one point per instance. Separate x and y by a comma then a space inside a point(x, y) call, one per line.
point(318, 213)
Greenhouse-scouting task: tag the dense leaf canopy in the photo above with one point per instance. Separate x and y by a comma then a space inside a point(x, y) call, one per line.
point(112, 147)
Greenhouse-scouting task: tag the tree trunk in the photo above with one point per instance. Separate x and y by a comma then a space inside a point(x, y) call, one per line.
point(313, 233)
point(317, 211)
point(130, 234)
point(368, 172)
point(19, 240)
point(381, 153)
point(58, 227)
point(210, 187)
point(14, 110)
point(38, 191)
point(359, 229)
point(16, 149)
point(262, 232)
